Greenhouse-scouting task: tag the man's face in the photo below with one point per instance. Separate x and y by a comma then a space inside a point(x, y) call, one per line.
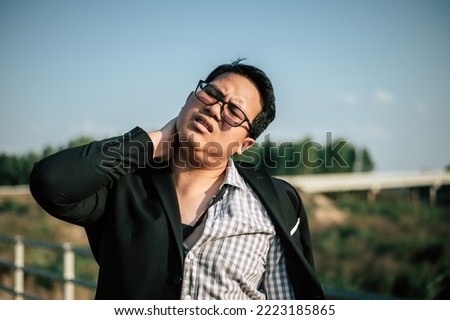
point(202, 127)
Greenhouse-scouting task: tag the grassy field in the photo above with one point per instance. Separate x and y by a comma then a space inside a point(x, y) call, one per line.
point(395, 247)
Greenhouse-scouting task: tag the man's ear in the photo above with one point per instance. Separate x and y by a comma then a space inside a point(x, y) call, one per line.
point(245, 144)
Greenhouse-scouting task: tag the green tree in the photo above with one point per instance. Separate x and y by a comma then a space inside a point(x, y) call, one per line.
point(367, 164)
point(16, 169)
point(8, 170)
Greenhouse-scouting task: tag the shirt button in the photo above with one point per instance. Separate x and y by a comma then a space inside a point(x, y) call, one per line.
point(190, 256)
point(188, 297)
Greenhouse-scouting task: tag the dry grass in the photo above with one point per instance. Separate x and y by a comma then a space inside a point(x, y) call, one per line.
point(392, 248)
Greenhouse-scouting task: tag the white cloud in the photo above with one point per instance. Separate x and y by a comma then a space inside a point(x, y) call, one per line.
point(349, 99)
point(383, 97)
point(422, 109)
point(379, 98)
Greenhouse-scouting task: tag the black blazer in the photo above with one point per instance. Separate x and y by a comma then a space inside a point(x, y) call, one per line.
point(127, 204)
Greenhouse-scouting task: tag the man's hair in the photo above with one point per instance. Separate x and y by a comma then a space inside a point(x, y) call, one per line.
point(262, 83)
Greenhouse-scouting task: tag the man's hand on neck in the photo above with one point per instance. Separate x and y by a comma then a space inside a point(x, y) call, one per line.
point(164, 141)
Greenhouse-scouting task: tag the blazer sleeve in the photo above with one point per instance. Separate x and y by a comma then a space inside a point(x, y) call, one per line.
point(72, 184)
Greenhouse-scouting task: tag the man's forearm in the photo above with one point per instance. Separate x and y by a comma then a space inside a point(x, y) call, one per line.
point(65, 184)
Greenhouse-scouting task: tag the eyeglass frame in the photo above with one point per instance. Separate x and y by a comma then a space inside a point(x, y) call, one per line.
point(222, 106)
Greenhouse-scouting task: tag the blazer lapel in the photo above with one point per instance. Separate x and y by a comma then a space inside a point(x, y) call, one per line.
point(283, 219)
point(262, 184)
point(163, 183)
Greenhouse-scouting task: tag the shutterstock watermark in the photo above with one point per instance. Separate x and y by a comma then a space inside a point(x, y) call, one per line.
point(310, 153)
point(127, 153)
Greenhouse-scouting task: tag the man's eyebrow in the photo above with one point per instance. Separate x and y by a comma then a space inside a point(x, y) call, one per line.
point(218, 91)
point(222, 96)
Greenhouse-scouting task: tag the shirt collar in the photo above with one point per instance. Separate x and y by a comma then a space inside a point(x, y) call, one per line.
point(232, 176)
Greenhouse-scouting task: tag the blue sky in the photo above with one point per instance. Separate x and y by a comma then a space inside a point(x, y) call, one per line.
point(376, 73)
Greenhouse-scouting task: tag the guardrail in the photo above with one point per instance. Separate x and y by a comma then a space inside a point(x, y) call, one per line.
point(19, 269)
point(19, 190)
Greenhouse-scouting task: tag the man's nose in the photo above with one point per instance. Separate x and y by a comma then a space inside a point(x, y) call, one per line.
point(214, 110)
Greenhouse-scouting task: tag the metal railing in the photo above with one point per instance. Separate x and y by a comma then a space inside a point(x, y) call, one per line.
point(19, 269)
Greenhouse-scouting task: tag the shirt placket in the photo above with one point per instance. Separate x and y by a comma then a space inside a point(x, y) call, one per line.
point(192, 272)
point(189, 277)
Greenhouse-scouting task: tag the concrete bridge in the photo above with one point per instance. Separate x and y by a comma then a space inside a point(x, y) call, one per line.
point(372, 182)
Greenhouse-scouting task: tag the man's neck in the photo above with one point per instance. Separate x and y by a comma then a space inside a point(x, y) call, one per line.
point(193, 174)
point(195, 187)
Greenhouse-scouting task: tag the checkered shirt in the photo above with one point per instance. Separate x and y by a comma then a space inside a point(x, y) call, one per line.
point(238, 255)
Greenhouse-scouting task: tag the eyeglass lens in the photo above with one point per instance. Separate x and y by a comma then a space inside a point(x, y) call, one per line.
point(231, 113)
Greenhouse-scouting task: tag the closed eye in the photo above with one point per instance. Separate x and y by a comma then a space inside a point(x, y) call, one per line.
point(234, 110)
point(212, 92)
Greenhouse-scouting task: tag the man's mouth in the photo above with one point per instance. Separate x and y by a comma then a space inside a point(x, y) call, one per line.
point(205, 123)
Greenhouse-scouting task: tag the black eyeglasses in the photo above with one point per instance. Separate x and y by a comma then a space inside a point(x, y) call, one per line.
point(229, 112)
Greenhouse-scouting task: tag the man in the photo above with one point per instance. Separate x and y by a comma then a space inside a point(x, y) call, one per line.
point(169, 215)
